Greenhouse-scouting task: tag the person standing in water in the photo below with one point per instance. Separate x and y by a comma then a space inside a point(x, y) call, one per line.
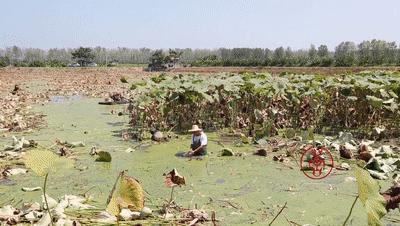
point(199, 142)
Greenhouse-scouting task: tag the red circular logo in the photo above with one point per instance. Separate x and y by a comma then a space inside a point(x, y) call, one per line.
point(316, 163)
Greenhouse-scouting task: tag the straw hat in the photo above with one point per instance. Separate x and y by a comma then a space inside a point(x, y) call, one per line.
point(195, 128)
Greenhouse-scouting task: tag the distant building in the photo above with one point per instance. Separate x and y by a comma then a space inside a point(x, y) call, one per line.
point(91, 64)
point(74, 65)
point(113, 63)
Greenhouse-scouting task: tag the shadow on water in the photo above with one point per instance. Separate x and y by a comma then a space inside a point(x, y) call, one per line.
point(118, 124)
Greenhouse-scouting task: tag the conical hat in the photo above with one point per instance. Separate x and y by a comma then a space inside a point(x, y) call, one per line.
point(195, 128)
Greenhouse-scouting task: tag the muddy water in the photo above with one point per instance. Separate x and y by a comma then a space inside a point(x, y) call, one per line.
point(242, 190)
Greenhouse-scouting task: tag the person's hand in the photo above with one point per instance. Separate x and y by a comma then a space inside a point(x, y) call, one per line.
point(190, 153)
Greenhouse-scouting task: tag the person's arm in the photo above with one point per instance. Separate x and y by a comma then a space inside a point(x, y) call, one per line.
point(195, 151)
point(191, 152)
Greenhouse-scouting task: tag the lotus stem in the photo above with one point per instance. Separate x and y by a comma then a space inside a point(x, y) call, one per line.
point(172, 193)
point(280, 211)
point(45, 199)
point(351, 210)
point(114, 186)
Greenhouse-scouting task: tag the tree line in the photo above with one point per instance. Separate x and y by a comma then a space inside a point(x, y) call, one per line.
point(367, 53)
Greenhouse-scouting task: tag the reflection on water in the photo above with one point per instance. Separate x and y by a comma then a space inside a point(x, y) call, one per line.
point(64, 99)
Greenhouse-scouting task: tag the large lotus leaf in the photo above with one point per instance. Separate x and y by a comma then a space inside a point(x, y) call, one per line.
point(307, 134)
point(295, 100)
point(384, 94)
point(128, 194)
point(314, 103)
point(217, 82)
point(389, 101)
point(144, 100)
point(257, 82)
point(352, 98)
point(290, 133)
point(330, 82)
point(43, 162)
point(393, 107)
point(159, 78)
point(138, 84)
point(375, 101)
point(381, 165)
point(235, 79)
point(378, 175)
point(201, 88)
point(364, 83)
point(209, 98)
point(308, 77)
point(393, 94)
point(368, 191)
point(156, 92)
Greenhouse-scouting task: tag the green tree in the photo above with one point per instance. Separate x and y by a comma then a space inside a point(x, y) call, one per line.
point(364, 53)
point(301, 58)
point(268, 54)
point(35, 57)
point(4, 61)
point(289, 58)
point(257, 57)
point(378, 52)
point(313, 56)
point(397, 60)
point(83, 55)
point(325, 58)
point(323, 51)
point(14, 54)
point(157, 61)
point(58, 57)
point(278, 58)
point(391, 53)
point(345, 54)
point(210, 60)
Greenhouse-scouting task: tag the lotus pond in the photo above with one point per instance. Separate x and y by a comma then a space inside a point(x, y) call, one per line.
point(241, 190)
point(237, 111)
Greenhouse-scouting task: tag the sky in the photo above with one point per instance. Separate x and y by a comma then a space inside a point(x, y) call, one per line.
point(195, 23)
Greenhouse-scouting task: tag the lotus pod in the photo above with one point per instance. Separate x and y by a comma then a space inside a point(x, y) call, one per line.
point(345, 153)
point(364, 153)
point(366, 156)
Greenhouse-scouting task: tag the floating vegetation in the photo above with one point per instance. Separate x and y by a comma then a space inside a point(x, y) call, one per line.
point(103, 156)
